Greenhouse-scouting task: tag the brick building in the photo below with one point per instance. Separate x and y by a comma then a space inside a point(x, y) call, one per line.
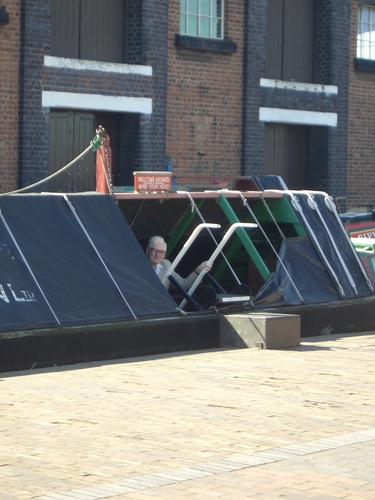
point(250, 87)
point(9, 93)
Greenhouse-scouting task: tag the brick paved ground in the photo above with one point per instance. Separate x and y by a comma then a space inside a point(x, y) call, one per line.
point(259, 424)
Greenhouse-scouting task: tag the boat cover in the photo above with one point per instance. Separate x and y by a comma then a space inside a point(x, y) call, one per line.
point(300, 279)
point(72, 260)
point(269, 182)
point(319, 267)
point(327, 233)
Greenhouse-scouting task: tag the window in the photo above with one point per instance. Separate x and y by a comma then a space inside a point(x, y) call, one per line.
point(366, 33)
point(202, 18)
point(88, 29)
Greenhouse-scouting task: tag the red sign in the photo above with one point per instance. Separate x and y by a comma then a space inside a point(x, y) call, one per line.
point(152, 181)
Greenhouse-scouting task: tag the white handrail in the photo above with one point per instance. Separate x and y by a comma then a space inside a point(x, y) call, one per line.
point(216, 252)
point(186, 246)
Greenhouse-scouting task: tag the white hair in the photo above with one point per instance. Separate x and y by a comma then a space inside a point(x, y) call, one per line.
point(156, 239)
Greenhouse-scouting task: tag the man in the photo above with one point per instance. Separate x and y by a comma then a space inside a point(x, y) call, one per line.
point(156, 250)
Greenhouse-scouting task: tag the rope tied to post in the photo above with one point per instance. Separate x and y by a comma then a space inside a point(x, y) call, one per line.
point(94, 145)
point(97, 141)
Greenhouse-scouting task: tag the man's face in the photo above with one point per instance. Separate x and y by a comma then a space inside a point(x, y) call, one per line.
point(157, 253)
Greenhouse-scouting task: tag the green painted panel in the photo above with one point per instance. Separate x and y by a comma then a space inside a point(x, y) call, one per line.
point(245, 240)
point(281, 210)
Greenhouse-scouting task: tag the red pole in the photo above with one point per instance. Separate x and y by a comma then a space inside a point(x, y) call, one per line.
point(104, 163)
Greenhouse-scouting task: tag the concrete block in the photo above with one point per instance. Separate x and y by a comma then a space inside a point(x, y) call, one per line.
point(261, 330)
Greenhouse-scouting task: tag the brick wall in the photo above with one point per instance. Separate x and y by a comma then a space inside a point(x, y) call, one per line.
point(360, 176)
point(319, 178)
point(253, 131)
point(154, 45)
point(339, 75)
point(204, 100)
point(34, 121)
point(9, 61)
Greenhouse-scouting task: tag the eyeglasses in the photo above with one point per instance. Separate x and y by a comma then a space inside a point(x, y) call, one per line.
point(157, 252)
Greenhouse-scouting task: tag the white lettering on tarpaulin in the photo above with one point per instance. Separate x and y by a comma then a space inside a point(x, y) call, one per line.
point(3, 295)
point(21, 295)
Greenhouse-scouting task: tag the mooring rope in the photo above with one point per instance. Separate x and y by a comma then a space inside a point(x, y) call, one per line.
point(94, 146)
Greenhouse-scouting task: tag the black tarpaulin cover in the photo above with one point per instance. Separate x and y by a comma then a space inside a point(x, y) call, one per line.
point(269, 182)
point(319, 267)
point(332, 243)
point(72, 260)
point(300, 279)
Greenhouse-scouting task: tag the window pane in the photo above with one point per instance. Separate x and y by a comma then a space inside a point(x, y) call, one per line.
point(204, 26)
point(205, 8)
point(182, 23)
point(216, 8)
point(193, 6)
point(216, 28)
point(365, 15)
point(183, 5)
point(192, 25)
point(366, 33)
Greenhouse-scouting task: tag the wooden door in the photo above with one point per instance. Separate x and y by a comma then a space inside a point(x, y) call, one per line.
point(287, 154)
point(102, 30)
point(89, 29)
point(70, 134)
point(290, 40)
point(65, 20)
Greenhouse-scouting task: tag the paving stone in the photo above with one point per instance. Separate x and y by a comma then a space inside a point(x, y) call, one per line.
point(226, 423)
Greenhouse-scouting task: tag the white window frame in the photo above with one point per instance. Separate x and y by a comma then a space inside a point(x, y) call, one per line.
point(366, 32)
point(186, 14)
